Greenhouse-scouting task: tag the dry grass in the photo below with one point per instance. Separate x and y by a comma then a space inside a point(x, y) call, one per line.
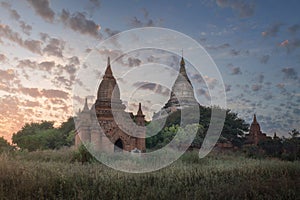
point(51, 175)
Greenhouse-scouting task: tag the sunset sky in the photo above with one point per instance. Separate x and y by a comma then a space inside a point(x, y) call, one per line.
point(44, 44)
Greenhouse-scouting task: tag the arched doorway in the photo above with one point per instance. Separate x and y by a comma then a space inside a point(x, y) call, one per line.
point(118, 146)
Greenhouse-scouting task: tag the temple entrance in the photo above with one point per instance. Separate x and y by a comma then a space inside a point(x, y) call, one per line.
point(118, 146)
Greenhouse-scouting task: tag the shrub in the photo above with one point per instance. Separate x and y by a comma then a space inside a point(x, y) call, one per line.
point(83, 155)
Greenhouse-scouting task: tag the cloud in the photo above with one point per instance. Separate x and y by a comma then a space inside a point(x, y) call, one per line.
point(70, 69)
point(48, 93)
point(272, 30)
point(203, 92)
point(7, 78)
point(289, 73)
point(260, 78)
point(145, 12)
point(46, 65)
point(110, 32)
point(222, 46)
point(135, 22)
point(53, 93)
point(43, 66)
point(264, 59)
point(111, 53)
point(8, 33)
point(11, 117)
point(133, 62)
point(28, 103)
point(284, 43)
point(211, 82)
point(290, 45)
point(95, 3)
point(243, 8)
point(153, 87)
point(33, 92)
point(294, 28)
point(280, 85)
point(25, 27)
point(296, 111)
point(42, 8)
point(12, 12)
point(256, 87)
point(147, 22)
point(16, 16)
point(227, 87)
point(92, 5)
point(235, 70)
point(31, 45)
point(234, 52)
point(74, 60)
point(79, 23)
point(44, 36)
point(55, 47)
point(268, 96)
point(3, 58)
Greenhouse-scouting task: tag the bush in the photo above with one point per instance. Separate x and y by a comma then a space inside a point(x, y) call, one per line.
point(254, 152)
point(83, 155)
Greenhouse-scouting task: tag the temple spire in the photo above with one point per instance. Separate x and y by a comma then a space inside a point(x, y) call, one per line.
point(86, 107)
point(254, 119)
point(182, 70)
point(140, 112)
point(140, 117)
point(108, 71)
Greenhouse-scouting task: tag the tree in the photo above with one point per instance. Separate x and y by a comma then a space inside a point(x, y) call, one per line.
point(4, 145)
point(43, 135)
point(28, 137)
point(291, 146)
point(67, 130)
point(233, 130)
point(294, 133)
point(234, 127)
point(272, 147)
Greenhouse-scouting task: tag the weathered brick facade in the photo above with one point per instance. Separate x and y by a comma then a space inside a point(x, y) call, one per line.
point(106, 126)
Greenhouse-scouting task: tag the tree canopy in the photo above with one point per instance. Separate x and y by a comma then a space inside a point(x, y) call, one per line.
point(4, 145)
point(44, 135)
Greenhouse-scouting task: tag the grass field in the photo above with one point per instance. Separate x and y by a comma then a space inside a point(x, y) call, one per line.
point(52, 175)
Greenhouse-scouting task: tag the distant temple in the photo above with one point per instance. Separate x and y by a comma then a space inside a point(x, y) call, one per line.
point(182, 94)
point(105, 112)
point(255, 135)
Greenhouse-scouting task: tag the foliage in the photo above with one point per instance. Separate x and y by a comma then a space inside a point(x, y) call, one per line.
point(83, 155)
point(253, 152)
point(5, 146)
point(165, 136)
point(272, 147)
point(291, 146)
point(214, 177)
point(43, 135)
point(233, 130)
point(283, 148)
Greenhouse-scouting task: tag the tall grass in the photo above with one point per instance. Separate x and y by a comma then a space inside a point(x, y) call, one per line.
point(51, 175)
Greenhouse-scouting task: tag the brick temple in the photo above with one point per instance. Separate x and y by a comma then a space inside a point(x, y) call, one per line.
point(255, 135)
point(104, 112)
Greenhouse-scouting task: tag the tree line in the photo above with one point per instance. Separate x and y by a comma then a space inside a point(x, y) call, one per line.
point(43, 135)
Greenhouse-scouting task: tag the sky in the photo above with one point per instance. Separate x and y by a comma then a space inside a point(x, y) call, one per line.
point(48, 48)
